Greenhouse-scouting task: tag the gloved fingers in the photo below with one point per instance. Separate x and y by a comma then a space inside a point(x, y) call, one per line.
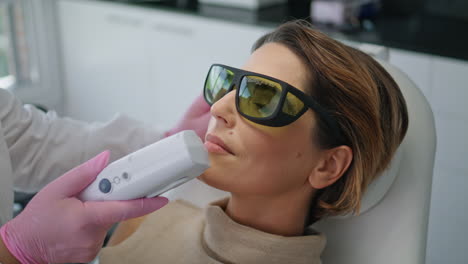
point(74, 181)
point(204, 119)
point(110, 212)
point(198, 107)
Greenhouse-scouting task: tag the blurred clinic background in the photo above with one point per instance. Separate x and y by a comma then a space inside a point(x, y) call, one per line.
point(89, 59)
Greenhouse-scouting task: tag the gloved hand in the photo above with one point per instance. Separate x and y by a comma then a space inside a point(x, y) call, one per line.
point(56, 227)
point(195, 118)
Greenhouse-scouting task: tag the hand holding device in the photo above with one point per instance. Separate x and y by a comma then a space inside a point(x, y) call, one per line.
point(56, 227)
point(151, 170)
point(195, 118)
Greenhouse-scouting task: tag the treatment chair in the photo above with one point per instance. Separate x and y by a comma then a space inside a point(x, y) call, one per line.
point(392, 226)
point(394, 229)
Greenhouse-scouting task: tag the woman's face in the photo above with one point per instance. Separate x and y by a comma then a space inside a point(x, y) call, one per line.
point(262, 160)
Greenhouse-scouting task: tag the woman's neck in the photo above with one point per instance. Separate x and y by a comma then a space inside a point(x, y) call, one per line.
point(280, 215)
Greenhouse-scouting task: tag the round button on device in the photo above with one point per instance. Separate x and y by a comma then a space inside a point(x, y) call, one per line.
point(105, 185)
point(116, 180)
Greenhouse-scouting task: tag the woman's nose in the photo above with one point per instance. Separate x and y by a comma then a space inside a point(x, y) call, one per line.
point(224, 110)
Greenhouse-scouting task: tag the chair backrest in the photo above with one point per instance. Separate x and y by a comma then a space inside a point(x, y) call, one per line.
point(394, 230)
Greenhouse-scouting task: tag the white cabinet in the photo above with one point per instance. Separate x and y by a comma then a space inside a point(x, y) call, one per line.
point(182, 50)
point(105, 61)
point(448, 235)
point(147, 63)
point(450, 82)
point(449, 99)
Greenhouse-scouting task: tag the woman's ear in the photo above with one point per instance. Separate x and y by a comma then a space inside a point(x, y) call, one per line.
point(332, 165)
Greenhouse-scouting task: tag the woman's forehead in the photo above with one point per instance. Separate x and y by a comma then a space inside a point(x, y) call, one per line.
point(278, 61)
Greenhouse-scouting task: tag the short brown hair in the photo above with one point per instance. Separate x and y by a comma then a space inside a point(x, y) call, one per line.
point(366, 102)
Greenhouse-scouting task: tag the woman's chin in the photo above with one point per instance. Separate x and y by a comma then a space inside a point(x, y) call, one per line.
point(213, 180)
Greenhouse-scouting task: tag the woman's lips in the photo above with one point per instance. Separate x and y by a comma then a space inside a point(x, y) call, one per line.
point(216, 145)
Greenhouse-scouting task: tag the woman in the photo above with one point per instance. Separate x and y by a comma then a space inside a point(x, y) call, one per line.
point(295, 136)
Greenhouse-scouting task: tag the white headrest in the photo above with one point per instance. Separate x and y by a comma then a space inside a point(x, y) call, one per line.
point(378, 188)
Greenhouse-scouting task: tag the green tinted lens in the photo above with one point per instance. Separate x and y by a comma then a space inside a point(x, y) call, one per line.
point(292, 105)
point(217, 84)
point(258, 97)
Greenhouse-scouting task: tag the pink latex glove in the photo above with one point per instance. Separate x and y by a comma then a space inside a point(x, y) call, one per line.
point(195, 118)
point(56, 227)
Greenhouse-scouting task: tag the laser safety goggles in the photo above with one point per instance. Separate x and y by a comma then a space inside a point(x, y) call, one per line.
point(262, 99)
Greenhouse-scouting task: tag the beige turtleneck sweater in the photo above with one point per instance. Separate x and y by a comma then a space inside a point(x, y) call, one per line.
point(183, 233)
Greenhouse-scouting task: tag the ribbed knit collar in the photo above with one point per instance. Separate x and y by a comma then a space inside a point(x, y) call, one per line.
point(231, 242)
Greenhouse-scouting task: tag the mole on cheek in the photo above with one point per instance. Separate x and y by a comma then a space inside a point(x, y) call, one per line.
point(298, 155)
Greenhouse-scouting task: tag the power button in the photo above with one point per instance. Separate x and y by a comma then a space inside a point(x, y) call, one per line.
point(105, 185)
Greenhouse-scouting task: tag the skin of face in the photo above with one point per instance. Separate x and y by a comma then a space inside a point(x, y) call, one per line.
point(266, 160)
point(271, 171)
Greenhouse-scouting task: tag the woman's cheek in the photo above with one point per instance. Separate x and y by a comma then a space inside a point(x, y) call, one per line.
point(273, 131)
point(220, 174)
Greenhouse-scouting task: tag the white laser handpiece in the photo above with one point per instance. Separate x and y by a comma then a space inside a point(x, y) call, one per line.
point(152, 170)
